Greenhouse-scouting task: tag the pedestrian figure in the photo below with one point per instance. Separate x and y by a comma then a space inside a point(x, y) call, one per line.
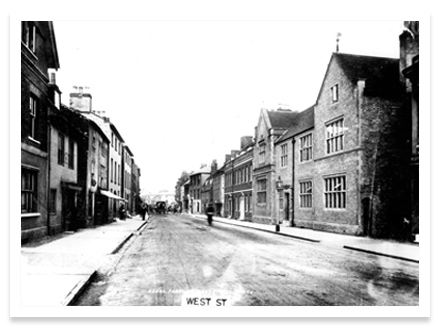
point(122, 212)
point(144, 210)
point(210, 213)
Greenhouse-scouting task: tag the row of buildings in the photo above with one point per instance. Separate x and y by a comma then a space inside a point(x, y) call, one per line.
point(348, 164)
point(76, 169)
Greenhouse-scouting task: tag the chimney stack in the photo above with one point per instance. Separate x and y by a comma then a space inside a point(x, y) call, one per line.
point(80, 99)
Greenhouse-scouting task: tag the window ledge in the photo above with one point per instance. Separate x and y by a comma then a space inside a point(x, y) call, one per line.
point(34, 140)
point(31, 215)
point(30, 50)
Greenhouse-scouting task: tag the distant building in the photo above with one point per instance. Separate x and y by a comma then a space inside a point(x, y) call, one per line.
point(196, 181)
point(218, 190)
point(238, 181)
point(206, 193)
point(127, 163)
point(136, 188)
point(39, 95)
point(185, 196)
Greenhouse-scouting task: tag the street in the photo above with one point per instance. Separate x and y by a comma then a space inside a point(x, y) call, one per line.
point(180, 260)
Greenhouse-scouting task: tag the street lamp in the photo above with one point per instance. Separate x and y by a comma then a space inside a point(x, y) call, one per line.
point(279, 186)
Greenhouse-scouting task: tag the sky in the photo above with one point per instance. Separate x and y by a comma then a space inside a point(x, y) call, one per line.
point(183, 92)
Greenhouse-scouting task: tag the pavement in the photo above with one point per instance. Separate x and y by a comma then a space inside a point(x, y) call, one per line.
point(56, 272)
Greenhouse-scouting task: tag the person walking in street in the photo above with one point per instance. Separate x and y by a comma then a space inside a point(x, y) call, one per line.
point(210, 213)
point(144, 210)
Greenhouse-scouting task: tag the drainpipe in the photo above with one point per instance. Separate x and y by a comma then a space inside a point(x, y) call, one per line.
point(292, 196)
point(49, 148)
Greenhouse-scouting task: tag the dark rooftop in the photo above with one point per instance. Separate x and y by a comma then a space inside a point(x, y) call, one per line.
point(304, 120)
point(281, 118)
point(381, 74)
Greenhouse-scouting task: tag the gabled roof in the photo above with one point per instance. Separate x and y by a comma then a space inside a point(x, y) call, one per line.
point(98, 128)
point(281, 119)
point(53, 59)
point(115, 130)
point(128, 150)
point(304, 121)
point(381, 74)
point(203, 170)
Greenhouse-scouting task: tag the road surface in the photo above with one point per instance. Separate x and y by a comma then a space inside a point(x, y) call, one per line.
point(180, 260)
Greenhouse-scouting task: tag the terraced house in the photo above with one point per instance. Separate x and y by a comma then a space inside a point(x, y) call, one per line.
point(271, 125)
point(238, 181)
point(39, 95)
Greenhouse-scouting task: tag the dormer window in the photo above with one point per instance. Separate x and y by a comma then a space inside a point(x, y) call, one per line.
point(335, 93)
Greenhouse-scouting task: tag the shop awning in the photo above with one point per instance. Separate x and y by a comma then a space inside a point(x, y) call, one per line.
point(111, 195)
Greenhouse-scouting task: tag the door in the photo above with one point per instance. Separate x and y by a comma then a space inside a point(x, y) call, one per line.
point(241, 213)
point(69, 210)
point(286, 206)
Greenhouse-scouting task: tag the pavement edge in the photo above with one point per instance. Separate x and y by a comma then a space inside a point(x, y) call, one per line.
point(80, 287)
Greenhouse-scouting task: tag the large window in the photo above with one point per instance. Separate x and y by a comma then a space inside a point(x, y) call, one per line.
point(33, 105)
point(28, 190)
point(61, 149)
point(262, 153)
point(28, 35)
point(284, 155)
point(261, 191)
point(335, 136)
point(305, 148)
point(335, 192)
point(71, 154)
point(305, 194)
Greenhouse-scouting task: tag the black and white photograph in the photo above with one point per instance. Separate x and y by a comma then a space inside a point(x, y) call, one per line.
point(221, 167)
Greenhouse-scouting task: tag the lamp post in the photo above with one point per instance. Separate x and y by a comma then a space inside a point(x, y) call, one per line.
point(279, 186)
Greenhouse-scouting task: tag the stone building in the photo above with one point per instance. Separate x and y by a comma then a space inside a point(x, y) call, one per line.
point(271, 125)
point(356, 181)
point(409, 67)
point(293, 150)
point(39, 95)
